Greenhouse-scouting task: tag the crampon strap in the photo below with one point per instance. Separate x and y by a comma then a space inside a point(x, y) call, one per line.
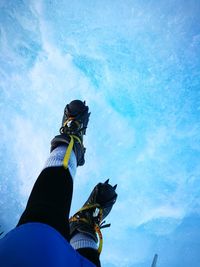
point(97, 227)
point(69, 150)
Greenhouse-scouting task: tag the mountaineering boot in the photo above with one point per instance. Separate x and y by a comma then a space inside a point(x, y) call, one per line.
point(74, 124)
point(89, 219)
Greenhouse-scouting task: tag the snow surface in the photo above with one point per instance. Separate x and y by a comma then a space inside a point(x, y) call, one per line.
point(137, 64)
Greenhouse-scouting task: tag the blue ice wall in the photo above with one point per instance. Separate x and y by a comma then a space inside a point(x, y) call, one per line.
point(136, 63)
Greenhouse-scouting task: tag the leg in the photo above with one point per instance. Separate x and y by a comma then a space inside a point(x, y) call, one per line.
point(91, 254)
point(85, 225)
point(50, 200)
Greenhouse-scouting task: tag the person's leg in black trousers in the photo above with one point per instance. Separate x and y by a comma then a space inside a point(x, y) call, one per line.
point(50, 200)
point(51, 196)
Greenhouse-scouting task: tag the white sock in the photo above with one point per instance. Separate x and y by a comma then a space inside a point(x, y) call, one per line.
point(81, 240)
point(57, 156)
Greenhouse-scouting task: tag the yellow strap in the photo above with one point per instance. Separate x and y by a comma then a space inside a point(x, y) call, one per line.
point(68, 152)
point(78, 139)
point(68, 120)
point(89, 206)
point(98, 231)
point(96, 226)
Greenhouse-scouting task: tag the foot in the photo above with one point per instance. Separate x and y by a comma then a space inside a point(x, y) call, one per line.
point(74, 124)
point(89, 219)
point(75, 119)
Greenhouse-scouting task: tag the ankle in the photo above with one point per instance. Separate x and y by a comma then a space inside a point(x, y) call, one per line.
point(81, 240)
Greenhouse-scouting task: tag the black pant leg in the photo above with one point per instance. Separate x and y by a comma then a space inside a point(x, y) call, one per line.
point(50, 200)
point(91, 254)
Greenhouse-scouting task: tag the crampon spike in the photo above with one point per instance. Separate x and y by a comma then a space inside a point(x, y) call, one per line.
point(115, 186)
